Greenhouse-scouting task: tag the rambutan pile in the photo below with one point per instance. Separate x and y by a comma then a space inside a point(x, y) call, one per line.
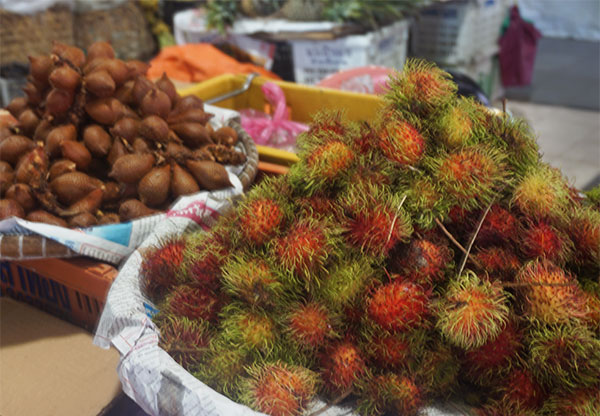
point(426, 255)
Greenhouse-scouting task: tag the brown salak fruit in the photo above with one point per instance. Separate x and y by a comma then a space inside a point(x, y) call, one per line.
point(140, 145)
point(109, 218)
point(64, 78)
point(46, 217)
point(13, 147)
point(192, 115)
point(132, 208)
point(127, 128)
point(100, 49)
point(178, 152)
point(137, 67)
point(61, 167)
point(153, 188)
point(40, 67)
point(77, 152)
point(125, 93)
point(21, 193)
point(83, 220)
point(210, 175)
point(193, 135)
point(116, 151)
point(100, 83)
point(225, 135)
point(182, 182)
point(16, 106)
point(141, 86)
point(97, 140)
point(32, 167)
point(155, 102)
point(165, 85)
point(42, 130)
point(6, 180)
point(186, 103)
point(58, 102)
point(5, 167)
point(131, 168)
point(71, 187)
point(154, 129)
point(89, 203)
point(112, 192)
point(70, 53)
point(57, 136)
point(105, 110)
point(10, 208)
point(28, 122)
point(33, 93)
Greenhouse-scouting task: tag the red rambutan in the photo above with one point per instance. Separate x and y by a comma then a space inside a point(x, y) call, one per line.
point(473, 311)
point(498, 227)
point(388, 393)
point(584, 230)
point(539, 239)
point(399, 306)
point(192, 303)
point(498, 262)
point(161, 267)
point(423, 261)
point(522, 390)
point(551, 294)
point(342, 364)
point(309, 325)
point(184, 339)
point(579, 402)
point(400, 142)
point(330, 159)
point(253, 280)
point(260, 220)
point(203, 258)
point(248, 329)
point(279, 389)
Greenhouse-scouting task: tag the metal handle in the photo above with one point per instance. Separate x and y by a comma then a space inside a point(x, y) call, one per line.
point(230, 94)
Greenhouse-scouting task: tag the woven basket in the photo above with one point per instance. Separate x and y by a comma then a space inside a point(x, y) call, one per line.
point(124, 27)
point(24, 35)
point(18, 247)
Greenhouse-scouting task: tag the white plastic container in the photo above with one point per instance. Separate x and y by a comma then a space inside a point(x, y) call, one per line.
point(315, 59)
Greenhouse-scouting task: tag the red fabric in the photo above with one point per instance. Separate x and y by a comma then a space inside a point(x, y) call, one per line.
point(518, 47)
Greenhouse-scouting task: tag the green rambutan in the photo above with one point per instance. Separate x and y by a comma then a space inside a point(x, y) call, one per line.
point(592, 198)
point(471, 175)
point(345, 283)
point(389, 392)
point(184, 339)
point(400, 141)
point(579, 402)
point(305, 247)
point(279, 389)
point(192, 302)
point(540, 239)
point(376, 220)
point(499, 227)
point(421, 88)
point(161, 267)
point(399, 306)
point(438, 370)
point(328, 123)
point(584, 230)
point(495, 357)
point(473, 311)
point(248, 329)
point(424, 202)
point(223, 367)
point(366, 138)
point(498, 262)
point(456, 125)
point(253, 280)
point(542, 194)
point(564, 356)
point(341, 366)
point(591, 294)
point(422, 261)
point(551, 294)
point(309, 325)
point(521, 390)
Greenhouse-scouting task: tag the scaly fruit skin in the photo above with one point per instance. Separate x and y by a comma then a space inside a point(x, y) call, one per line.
point(376, 219)
point(400, 141)
point(309, 325)
point(399, 306)
point(252, 280)
point(248, 329)
point(388, 392)
point(564, 356)
point(540, 239)
point(471, 174)
point(499, 227)
point(542, 194)
point(580, 402)
point(160, 268)
point(305, 247)
point(423, 261)
point(184, 339)
point(192, 303)
point(421, 88)
point(279, 389)
point(473, 311)
point(498, 262)
point(342, 364)
point(551, 294)
point(492, 359)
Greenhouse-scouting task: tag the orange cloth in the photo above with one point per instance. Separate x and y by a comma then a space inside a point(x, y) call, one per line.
point(197, 62)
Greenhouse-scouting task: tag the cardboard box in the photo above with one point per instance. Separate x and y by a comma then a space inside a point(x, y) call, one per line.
point(72, 289)
point(50, 367)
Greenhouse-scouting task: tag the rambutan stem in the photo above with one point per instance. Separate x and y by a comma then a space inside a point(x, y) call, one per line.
point(336, 401)
point(473, 237)
point(395, 218)
point(456, 243)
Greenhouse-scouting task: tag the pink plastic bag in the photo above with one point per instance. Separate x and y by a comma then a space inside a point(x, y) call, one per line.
point(274, 131)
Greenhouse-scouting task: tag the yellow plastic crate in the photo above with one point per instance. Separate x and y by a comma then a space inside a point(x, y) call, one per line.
point(304, 101)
